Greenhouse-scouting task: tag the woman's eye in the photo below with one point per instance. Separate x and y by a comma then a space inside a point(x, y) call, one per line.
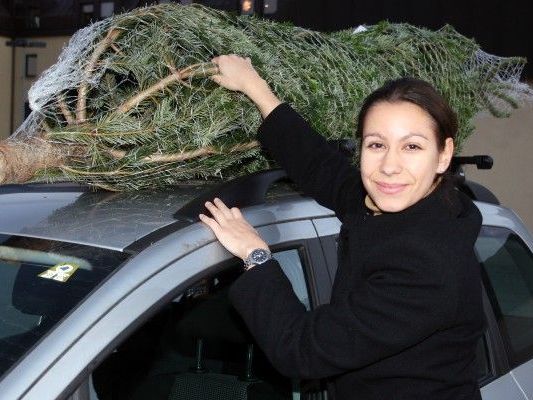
point(412, 146)
point(375, 145)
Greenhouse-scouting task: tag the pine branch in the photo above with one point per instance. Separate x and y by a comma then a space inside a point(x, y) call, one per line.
point(186, 155)
point(65, 110)
point(145, 123)
point(81, 112)
point(196, 70)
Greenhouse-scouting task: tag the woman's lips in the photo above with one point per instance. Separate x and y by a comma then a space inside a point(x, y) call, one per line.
point(389, 188)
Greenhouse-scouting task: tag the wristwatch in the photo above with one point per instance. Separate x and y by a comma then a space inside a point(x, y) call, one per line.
point(256, 257)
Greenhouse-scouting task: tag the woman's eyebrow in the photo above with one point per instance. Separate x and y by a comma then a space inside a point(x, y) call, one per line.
point(414, 134)
point(365, 135)
point(401, 139)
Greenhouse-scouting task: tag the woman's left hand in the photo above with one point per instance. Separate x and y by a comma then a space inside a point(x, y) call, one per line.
point(232, 230)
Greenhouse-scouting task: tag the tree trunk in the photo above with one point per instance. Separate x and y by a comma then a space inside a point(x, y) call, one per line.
point(19, 161)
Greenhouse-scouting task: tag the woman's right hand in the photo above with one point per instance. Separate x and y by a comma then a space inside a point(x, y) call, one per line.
point(238, 74)
point(235, 73)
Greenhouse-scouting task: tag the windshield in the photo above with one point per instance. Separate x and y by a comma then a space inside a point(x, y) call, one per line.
point(41, 281)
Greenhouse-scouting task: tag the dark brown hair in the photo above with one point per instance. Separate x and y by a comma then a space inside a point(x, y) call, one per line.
point(420, 93)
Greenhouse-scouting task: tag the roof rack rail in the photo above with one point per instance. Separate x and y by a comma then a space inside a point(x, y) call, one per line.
point(45, 187)
point(474, 190)
point(244, 191)
point(480, 161)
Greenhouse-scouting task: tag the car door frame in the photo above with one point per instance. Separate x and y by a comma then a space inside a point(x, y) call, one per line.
point(515, 378)
point(62, 380)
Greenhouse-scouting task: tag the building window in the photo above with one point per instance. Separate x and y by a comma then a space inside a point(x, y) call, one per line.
point(270, 6)
point(33, 19)
point(31, 65)
point(86, 13)
point(247, 7)
point(107, 8)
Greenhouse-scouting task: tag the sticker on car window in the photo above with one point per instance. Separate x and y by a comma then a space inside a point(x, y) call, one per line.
point(59, 272)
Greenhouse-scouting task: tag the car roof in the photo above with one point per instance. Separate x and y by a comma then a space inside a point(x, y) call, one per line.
point(121, 221)
point(99, 218)
point(116, 220)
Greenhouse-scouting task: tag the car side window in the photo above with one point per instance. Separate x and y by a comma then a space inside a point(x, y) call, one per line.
point(508, 267)
point(291, 264)
point(198, 347)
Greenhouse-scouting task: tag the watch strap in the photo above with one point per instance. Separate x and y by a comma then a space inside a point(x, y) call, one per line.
point(257, 257)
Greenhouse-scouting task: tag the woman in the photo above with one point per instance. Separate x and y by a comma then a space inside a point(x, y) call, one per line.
point(405, 313)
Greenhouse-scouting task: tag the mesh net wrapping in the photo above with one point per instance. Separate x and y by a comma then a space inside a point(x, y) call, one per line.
point(129, 104)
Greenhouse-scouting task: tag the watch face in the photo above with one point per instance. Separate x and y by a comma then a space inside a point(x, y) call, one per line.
point(259, 256)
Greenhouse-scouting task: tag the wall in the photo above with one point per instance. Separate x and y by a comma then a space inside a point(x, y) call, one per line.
point(5, 86)
point(510, 143)
point(45, 58)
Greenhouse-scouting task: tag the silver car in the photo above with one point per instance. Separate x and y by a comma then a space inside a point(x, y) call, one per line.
point(124, 295)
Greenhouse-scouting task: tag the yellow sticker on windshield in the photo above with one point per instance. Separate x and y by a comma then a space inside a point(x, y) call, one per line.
point(59, 272)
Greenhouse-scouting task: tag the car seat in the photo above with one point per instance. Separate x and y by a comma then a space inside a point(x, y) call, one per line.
point(214, 326)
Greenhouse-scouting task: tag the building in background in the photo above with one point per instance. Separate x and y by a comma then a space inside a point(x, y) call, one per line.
point(6, 70)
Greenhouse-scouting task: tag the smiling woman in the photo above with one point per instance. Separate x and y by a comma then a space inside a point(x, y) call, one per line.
point(406, 130)
point(405, 313)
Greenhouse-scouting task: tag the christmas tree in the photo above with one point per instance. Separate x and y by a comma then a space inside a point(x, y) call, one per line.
point(130, 105)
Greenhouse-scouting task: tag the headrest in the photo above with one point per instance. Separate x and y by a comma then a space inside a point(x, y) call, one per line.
point(213, 318)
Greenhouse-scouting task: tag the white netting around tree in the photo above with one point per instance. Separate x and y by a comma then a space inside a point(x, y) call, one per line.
point(502, 89)
point(129, 104)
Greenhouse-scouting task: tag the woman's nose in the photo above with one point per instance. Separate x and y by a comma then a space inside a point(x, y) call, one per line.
point(390, 163)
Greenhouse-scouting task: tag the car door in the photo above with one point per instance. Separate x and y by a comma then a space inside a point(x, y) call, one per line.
point(505, 252)
point(193, 289)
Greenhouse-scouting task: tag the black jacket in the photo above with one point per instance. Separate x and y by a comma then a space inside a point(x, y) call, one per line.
point(405, 313)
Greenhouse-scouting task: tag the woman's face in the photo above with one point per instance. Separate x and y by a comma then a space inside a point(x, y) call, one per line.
point(399, 154)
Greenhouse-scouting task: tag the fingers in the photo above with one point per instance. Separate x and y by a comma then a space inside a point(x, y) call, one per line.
point(216, 78)
point(220, 204)
point(211, 223)
point(223, 208)
point(217, 214)
point(236, 212)
point(221, 212)
point(231, 229)
point(220, 60)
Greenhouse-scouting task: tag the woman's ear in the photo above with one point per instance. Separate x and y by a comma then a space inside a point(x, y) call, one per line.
point(445, 156)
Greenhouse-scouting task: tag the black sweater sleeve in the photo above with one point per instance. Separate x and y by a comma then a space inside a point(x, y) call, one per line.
point(400, 305)
point(319, 170)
